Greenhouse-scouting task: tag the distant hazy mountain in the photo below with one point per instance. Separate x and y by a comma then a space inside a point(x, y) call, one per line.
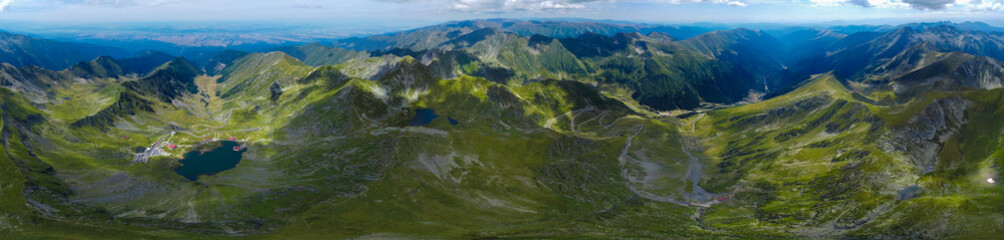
point(222, 60)
point(21, 50)
point(315, 54)
point(965, 26)
point(806, 42)
point(853, 54)
point(144, 61)
point(428, 37)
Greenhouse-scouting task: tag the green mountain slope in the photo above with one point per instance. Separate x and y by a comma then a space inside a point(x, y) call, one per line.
point(315, 54)
point(543, 159)
point(490, 134)
point(828, 158)
point(253, 74)
point(542, 61)
point(127, 104)
point(169, 81)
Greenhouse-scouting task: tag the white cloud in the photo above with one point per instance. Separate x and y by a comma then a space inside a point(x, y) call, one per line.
point(554, 5)
point(306, 6)
point(980, 5)
point(500, 6)
point(117, 3)
point(862, 3)
point(887, 4)
point(692, 1)
point(923, 5)
point(4, 4)
point(503, 6)
point(829, 3)
point(929, 4)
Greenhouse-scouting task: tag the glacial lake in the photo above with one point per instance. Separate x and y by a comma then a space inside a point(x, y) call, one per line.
point(196, 163)
point(423, 116)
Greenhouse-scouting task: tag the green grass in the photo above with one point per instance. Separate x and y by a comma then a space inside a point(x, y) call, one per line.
point(333, 157)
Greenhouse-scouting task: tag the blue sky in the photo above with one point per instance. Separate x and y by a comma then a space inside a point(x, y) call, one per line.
point(406, 13)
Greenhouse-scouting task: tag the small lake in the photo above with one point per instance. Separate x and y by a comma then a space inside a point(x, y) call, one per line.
point(453, 121)
point(910, 192)
point(196, 163)
point(423, 116)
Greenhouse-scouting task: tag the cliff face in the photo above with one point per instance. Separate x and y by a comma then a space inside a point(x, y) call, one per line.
point(922, 137)
point(980, 73)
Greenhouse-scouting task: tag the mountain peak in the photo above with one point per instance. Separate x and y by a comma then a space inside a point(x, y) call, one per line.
point(176, 64)
point(171, 80)
point(962, 26)
point(100, 67)
point(946, 30)
point(629, 36)
point(592, 44)
point(104, 59)
point(538, 39)
point(661, 35)
point(473, 37)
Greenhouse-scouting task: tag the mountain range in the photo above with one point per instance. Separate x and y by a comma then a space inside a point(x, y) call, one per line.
point(514, 129)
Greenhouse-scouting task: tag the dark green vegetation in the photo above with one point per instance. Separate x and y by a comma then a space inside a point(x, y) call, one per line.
point(519, 130)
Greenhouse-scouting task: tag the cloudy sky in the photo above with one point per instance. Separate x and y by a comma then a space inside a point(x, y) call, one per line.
point(424, 12)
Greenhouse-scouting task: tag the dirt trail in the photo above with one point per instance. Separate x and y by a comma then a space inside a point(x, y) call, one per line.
point(622, 159)
point(571, 117)
point(698, 197)
point(693, 125)
point(694, 174)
